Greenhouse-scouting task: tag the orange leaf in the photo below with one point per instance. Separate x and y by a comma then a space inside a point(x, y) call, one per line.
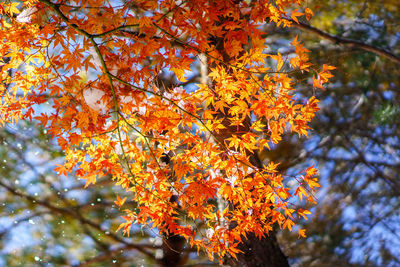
point(119, 202)
point(294, 14)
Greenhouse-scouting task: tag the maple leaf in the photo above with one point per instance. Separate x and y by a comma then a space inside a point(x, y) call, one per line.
point(288, 224)
point(12, 8)
point(90, 179)
point(61, 170)
point(294, 14)
point(302, 233)
point(119, 202)
point(303, 213)
point(308, 13)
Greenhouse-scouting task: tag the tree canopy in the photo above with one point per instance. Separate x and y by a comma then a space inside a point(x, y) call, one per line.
point(188, 152)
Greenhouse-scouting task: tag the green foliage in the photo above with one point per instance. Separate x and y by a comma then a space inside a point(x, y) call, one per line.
point(387, 114)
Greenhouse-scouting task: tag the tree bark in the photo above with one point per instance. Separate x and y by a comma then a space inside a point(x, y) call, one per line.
point(173, 246)
point(259, 252)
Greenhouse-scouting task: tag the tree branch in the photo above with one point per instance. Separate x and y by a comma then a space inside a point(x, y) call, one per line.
point(348, 42)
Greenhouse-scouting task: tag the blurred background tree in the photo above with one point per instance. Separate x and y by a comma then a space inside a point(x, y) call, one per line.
point(355, 138)
point(52, 221)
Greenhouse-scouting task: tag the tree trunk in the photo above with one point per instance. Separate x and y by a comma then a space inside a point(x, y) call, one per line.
point(256, 252)
point(172, 247)
point(259, 252)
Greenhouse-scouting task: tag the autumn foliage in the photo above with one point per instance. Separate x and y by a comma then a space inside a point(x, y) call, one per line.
point(88, 72)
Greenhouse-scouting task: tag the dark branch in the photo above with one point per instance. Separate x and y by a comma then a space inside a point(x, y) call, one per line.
point(348, 42)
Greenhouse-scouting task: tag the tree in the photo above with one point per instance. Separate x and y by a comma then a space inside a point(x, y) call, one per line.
point(355, 136)
point(188, 153)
